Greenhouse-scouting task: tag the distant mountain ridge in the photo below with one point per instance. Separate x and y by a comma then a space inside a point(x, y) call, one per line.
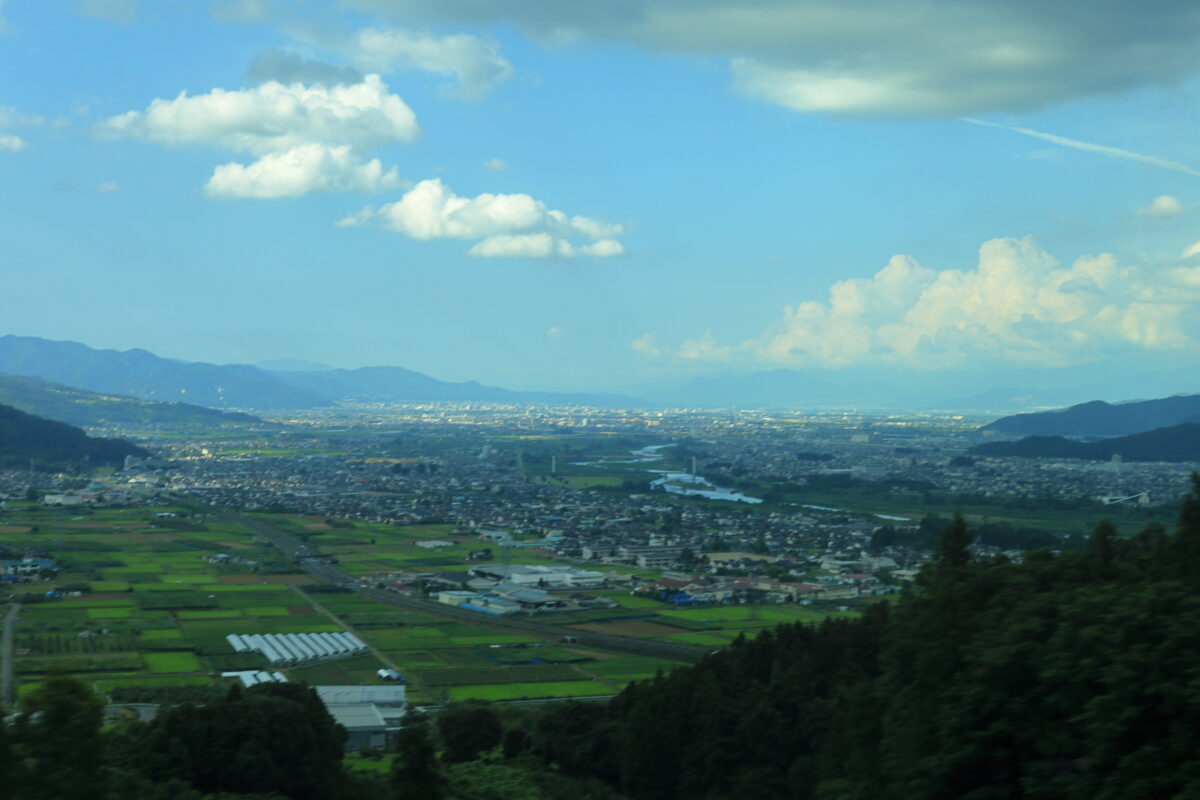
point(1099, 418)
point(98, 410)
point(141, 374)
point(400, 385)
point(25, 437)
point(1174, 443)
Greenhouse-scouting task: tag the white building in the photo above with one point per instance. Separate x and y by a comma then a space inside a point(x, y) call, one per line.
point(368, 713)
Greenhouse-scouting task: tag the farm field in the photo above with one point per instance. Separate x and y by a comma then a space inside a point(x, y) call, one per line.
point(144, 608)
point(430, 648)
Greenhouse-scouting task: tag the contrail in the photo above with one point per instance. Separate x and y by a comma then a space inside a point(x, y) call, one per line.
point(1113, 152)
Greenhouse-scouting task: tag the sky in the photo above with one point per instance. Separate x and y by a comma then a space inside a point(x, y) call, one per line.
point(586, 196)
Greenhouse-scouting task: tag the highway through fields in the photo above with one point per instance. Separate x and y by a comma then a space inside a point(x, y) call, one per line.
point(6, 655)
point(330, 573)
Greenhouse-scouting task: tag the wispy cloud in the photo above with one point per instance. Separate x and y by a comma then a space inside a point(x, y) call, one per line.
point(1104, 150)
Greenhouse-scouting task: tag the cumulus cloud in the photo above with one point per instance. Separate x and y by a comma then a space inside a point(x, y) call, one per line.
point(1164, 205)
point(122, 11)
point(288, 68)
point(1017, 305)
point(12, 118)
point(300, 170)
point(875, 57)
point(307, 137)
point(505, 225)
point(555, 332)
point(108, 187)
point(648, 345)
point(273, 117)
point(495, 165)
point(475, 65)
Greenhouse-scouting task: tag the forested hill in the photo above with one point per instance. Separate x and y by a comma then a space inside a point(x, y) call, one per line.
point(1098, 418)
point(24, 437)
point(97, 410)
point(1072, 677)
point(1176, 443)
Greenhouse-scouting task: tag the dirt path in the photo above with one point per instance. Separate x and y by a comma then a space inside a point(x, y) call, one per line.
point(308, 598)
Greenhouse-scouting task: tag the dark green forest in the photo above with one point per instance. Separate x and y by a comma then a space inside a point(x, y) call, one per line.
point(24, 437)
point(1072, 675)
point(1174, 443)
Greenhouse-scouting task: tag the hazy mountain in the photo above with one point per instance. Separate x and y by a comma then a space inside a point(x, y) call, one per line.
point(94, 410)
point(893, 387)
point(399, 385)
point(293, 365)
point(779, 388)
point(1099, 418)
point(1175, 443)
point(141, 374)
point(25, 437)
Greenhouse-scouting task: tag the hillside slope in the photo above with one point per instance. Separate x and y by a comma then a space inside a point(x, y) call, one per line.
point(25, 437)
point(1175, 443)
point(1099, 418)
point(96, 410)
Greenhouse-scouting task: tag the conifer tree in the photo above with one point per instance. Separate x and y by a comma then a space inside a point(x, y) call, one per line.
point(416, 773)
point(954, 545)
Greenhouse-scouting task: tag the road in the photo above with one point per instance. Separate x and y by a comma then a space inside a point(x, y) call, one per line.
point(6, 656)
point(330, 573)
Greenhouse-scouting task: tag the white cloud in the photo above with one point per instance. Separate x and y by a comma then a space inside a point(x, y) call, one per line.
point(1192, 250)
point(108, 187)
point(273, 117)
point(1164, 205)
point(555, 332)
point(939, 57)
point(1017, 305)
point(605, 248)
point(648, 345)
point(506, 225)
point(476, 65)
point(495, 165)
point(299, 171)
point(12, 118)
point(307, 138)
point(1104, 150)
point(122, 11)
point(504, 245)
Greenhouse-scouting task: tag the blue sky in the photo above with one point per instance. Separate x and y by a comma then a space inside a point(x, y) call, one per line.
point(571, 196)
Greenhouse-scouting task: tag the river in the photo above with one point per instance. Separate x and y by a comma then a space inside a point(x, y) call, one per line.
point(681, 483)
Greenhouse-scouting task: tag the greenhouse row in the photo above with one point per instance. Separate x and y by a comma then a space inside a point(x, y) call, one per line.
point(297, 648)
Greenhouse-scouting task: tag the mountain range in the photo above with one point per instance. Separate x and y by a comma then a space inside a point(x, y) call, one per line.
point(141, 374)
point(297, 384)
point(1099, 418)
point(1174, 443)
